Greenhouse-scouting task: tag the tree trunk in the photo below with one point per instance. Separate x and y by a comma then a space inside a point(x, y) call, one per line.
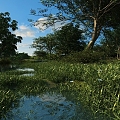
point(95, 35)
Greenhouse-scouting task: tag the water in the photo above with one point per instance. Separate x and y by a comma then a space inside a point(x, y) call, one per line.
point(28, 70)
point(4, 68)
point(43, 107)
point(27, 74)
point(11, 67)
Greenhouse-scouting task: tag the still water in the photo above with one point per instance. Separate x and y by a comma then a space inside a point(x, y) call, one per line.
point(11, 67)
point(48, 106)
point(28, 70)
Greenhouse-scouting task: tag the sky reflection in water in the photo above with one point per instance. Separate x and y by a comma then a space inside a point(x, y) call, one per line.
point(44, 107)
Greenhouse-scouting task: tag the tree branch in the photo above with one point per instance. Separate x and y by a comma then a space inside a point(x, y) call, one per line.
point(107, 8)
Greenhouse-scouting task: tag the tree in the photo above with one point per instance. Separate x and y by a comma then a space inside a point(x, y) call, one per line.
point(46, 43)
point(22, 56)
point(93, 15)
point(8, 41)
point(69, 39)
point(41, 54)
point(63, 41)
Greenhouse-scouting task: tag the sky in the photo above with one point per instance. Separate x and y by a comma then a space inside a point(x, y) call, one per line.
point(20, 11)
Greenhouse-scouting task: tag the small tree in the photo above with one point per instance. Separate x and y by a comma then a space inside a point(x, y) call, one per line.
point(8, 41)
point(22, 56)
point(46, 43)
point(41, 54)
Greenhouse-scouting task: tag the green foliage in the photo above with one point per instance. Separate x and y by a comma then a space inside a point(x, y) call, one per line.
point(97, 86)
point(93, 15)
point(40, 54)
point(13, 87)
point(85, 57)
point(5, 61)
point(111, 42)
point(64, 41)
point(7, 98)
point(101, 84)
point(22, 56)
point(81, 11)
point(102, 93)
point(69, 39)
point(8, 40)
point(46, 43)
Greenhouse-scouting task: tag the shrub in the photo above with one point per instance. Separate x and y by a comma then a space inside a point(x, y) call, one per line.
point(85, 57)
point(5, 62)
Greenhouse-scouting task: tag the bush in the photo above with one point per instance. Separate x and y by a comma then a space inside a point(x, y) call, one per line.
point(85, 57)
point(5, 61)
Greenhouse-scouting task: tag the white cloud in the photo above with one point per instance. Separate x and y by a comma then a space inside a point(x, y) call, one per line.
point(58, 25)
point(41, 24)
point(24, 31)
point(23, 27)
point(23, 45)
point(26, 48)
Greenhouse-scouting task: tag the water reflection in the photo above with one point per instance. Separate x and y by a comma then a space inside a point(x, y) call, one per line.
point(27, 74)
point(26, 69)
point(49, 106)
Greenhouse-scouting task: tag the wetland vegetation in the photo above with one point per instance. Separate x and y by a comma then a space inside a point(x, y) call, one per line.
point(65, 91)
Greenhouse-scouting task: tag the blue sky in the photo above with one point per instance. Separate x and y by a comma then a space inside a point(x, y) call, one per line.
point(20, 11)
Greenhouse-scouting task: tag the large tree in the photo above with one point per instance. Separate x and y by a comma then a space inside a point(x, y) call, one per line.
point(93, 15)
point(8, 41)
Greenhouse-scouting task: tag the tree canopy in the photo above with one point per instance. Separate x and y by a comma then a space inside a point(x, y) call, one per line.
point(93, 15)
point(69, 39)
point(64, 41)
point(8, 41)
point(46, 43)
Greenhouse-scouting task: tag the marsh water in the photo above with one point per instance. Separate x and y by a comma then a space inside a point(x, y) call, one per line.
point(4, 68)
point(28, 70)
point(49, 105)
point(46, 106)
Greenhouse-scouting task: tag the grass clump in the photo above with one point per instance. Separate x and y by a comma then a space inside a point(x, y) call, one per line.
point(7, 100)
